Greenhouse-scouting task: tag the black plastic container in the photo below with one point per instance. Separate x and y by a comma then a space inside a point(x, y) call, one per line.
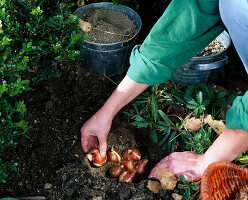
point(108, 59)
point(204, 69)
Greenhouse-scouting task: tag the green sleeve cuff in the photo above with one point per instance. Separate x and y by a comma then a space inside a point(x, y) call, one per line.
point(237, 115)
point(144, 70)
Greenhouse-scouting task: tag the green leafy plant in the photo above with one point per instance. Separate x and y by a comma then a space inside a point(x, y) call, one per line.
point(242, 159)
point(188, 190)
point(36, 36)
point(41, 33)
point(200, 141)
point(164, 107)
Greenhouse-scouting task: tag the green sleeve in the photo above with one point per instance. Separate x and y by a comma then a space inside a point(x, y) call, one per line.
point(185, 28)
point(237, 115)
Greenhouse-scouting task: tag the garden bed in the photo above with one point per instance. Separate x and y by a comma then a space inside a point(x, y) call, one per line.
point(51, 161)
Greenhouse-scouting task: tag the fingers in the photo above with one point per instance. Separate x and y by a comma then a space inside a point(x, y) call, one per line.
point(153, 173)
point(88, 143)
point(180, 163)
point(102, 145)
point(89, 156)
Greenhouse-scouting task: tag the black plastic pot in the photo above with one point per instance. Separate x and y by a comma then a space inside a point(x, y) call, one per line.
point(204, 69)
point(108, 59)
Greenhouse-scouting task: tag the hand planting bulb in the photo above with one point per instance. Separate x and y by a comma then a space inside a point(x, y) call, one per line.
point(97, 159)
point(132, 153)
point(116, 170)
point(114, 155)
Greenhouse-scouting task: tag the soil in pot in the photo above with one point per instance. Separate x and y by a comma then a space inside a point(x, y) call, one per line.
point(108, 26)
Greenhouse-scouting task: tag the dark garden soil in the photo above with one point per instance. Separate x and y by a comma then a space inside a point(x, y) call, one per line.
point(51, 161)
point(108, 26)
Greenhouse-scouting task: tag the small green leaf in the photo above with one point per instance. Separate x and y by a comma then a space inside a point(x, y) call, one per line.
point(165, 117)
point(154, 136)
point(184, 181)
point(186, 195)
point(199, 97)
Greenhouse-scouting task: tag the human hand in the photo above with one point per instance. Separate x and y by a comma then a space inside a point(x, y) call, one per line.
point(186, 163)
point(94, 134)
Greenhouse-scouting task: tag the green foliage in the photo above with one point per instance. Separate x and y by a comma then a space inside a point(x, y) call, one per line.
point(168, 130)
point(188, 190)
point(39, 34)
point(35, 37)
point(200, 141)
point(242, 159)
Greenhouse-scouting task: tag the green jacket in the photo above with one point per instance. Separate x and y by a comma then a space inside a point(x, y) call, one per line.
point(185, 28)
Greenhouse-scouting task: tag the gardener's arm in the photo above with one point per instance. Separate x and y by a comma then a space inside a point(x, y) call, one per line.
point(98, 126)
point(185, 28)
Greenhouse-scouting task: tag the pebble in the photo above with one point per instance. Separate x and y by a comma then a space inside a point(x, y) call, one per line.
point(97, 198)
point(48, 186)
point(87, 74)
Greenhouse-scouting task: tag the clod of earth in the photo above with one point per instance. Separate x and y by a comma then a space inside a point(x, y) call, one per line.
point(176, 196)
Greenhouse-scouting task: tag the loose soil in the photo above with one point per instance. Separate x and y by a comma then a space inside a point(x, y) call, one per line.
point(51, 161)
point(108, 26)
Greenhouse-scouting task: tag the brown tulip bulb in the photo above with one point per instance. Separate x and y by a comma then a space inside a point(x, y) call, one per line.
point(128, 164)
point(132, 153)
point(114, 155)
point(141, 168)
point(116, 170)
point(97, 159)
point(127, 177)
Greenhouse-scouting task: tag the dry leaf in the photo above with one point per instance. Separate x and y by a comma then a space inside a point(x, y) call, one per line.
point(193, 124)
point(217, 125)
point(219, 88)
point(176, 196)
point(167, 179)
point(154, 186)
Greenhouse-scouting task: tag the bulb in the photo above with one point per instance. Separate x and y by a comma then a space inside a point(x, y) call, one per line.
point(114, 155)
point(97, 159)
point(132, 153)
point(141, 168)
point(128, 165)
point(127, 177)
point(116, 170)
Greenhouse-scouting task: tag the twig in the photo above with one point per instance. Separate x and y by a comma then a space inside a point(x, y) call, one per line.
point(32, 198)
point(129, 35)
point(194, 195)
point(110, 80)
point(29, 138)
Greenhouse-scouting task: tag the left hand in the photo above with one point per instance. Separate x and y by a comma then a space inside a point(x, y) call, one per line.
point(186, 163)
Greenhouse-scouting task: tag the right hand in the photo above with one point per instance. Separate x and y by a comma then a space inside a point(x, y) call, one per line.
point(95, 131)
